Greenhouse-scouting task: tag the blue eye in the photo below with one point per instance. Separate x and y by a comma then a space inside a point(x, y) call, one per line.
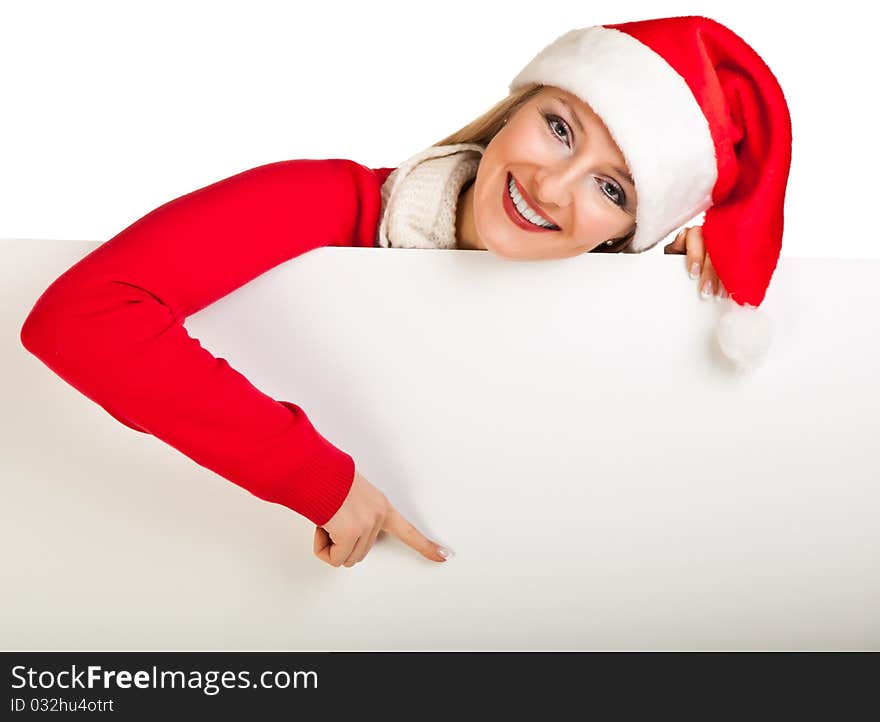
point(620, 198)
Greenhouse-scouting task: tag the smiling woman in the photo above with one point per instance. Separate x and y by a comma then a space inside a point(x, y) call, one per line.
point(540, 176)
point(610, 138)
point(613, 136)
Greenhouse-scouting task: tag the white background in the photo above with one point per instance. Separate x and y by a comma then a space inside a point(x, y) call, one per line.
point(113, 108)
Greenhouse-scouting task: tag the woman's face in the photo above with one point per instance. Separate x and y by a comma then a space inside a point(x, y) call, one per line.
point(566, 167)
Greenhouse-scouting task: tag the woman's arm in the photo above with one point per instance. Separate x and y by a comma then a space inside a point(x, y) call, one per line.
point(112, 324)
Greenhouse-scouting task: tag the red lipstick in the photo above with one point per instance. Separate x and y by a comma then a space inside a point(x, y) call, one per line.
point(514, 215)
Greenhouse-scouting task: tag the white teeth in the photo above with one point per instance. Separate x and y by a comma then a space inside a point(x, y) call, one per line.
point(525, 209)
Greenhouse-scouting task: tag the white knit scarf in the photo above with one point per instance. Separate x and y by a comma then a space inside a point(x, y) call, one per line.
point(420, 197)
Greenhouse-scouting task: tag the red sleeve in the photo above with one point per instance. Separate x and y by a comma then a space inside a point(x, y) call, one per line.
point(112, 325)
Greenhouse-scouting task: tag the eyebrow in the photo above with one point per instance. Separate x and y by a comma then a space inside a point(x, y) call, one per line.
point(577, 121)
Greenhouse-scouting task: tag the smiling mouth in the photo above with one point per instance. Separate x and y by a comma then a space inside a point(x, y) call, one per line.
point(538, 224)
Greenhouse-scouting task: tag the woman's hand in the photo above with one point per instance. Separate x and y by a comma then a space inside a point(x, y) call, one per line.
point(351, 532)
point(689, 241)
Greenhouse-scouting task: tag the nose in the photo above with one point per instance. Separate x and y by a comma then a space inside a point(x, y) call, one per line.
point(559, 184)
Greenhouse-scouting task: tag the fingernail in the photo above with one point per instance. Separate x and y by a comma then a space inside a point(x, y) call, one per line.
point(695, 270)
point(707, 290)
point(445, 553)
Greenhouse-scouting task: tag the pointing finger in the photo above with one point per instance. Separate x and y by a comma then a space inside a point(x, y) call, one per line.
point(409, 535)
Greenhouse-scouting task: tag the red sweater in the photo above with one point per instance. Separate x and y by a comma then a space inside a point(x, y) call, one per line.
point(112, 325)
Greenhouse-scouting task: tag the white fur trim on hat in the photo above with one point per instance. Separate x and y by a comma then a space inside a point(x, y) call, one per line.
point(744, 334)
point(650, 112)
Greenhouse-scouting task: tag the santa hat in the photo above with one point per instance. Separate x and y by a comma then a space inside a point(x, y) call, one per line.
point(704, 126)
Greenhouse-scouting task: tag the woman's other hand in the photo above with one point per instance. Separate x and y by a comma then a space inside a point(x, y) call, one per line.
point(351, 532)
point(689, 242)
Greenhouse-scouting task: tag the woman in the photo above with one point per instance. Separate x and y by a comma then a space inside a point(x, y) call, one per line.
point(611, 137)
point(535, 139)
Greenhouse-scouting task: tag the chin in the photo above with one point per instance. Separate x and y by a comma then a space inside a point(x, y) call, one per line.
point(514, 251)
point(497, 249)
point(499, 246)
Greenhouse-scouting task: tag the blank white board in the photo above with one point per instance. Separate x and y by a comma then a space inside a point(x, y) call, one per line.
point(567, 427)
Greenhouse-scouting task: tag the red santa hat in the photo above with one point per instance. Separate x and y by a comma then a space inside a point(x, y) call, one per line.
point(704, 126)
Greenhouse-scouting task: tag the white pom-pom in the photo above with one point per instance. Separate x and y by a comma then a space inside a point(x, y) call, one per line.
point(744, 334)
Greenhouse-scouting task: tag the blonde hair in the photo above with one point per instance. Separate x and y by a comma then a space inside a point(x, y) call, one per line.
point(482, 129)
